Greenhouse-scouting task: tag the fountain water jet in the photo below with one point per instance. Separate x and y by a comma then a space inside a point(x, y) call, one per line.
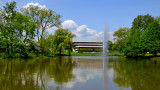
point(105, 57)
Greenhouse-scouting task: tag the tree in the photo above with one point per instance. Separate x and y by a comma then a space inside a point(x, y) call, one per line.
point(150, 40)
point(44, 18)
point(157, 18)
point(34, 12)
point(50, 43)
point(141, 22)
point(8, 29)
point(121, 36)
point(16, 29)
point(139, 25)
point(110, 45)
point(63, 40)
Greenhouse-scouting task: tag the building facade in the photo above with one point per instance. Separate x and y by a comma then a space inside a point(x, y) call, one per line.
point(87, 46)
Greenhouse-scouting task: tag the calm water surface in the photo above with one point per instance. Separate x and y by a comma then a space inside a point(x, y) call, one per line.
point(79, 73)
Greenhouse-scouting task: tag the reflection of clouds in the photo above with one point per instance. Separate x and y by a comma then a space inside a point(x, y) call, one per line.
point(82, 76)
point(110, 73)
point(70, 84)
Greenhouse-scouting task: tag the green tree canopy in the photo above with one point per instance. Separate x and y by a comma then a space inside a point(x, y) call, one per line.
point(16, 28)
point(141, 22)
point(44, 18)
point(139, 25)
point(150, 40)
point(121, 36)
point(63, 40)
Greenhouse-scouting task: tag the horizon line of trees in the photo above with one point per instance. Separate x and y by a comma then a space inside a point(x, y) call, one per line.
point(18, 31)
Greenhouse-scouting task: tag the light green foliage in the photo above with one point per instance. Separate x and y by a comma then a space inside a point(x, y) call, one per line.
point(121, 36)
point(34, 13)
point(150, 40)
point(47, 20)
point(44, 19)
point(50, 43)
point(139, 25)
point(63, 40)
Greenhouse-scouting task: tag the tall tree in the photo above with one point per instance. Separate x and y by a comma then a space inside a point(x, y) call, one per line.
point(44, 18)
point(34, 12)
point(141, 22)
point(139, 25)
point(10, 11)
point(16, 28)
point(150, 40)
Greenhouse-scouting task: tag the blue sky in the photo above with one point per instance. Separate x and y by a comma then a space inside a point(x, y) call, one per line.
point(93, 14)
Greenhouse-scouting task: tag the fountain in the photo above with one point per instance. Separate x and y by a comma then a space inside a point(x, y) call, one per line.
point(105, 57)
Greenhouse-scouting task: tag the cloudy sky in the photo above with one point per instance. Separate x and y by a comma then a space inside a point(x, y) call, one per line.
point(86, 18)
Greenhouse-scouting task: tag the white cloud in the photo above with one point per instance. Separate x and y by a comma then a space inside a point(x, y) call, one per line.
point(69, 24)
point(35, 4)
point(83, 32)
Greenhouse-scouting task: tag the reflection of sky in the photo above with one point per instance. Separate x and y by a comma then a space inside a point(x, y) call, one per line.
point(82, 76)
point(89, 77)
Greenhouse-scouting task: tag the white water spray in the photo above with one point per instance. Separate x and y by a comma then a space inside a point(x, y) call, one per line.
point(105, 57)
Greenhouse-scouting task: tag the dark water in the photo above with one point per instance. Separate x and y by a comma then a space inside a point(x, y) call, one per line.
point(79, 73)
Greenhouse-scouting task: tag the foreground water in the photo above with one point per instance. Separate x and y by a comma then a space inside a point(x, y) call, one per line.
point(79, 73)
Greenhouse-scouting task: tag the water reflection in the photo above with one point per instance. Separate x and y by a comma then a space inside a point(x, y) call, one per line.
point(79, 73)
point(61, 69)
point(137, 74)
point(34, 74)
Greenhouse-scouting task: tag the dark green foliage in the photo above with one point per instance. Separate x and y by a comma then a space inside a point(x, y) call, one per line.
point(141, 22)
point(150, 40)
point(110, 45)
point(139, 26)
point(132, 44)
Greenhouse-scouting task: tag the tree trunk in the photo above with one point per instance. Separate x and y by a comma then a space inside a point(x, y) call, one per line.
point(37, 33)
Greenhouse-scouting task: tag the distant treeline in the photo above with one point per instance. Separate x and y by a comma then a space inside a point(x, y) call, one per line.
point(142, 38)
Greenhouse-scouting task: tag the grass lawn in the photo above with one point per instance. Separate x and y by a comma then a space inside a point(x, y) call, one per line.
point(85, 54)
point(114, 52)
point(111, 52)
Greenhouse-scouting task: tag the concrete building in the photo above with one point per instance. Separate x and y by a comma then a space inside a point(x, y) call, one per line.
point(87, 46)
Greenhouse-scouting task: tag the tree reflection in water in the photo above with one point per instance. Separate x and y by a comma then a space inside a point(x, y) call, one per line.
point(61, 70)
point(34, 74)
point(137, 74)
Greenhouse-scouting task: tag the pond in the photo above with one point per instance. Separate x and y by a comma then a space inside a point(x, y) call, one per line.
point(80, 73)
